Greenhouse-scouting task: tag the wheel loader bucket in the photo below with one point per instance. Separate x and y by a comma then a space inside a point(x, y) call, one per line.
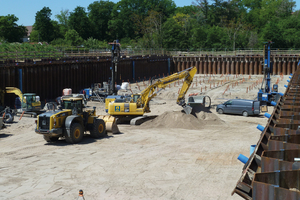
point(110, 123)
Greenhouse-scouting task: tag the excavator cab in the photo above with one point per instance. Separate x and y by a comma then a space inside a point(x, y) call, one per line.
point(31, 102)
point(135, 97)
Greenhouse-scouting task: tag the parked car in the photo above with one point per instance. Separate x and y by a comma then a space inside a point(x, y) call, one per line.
point(239, 106)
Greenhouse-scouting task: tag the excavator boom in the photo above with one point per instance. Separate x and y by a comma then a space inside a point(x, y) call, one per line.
point(17, 91)
point(148, 93)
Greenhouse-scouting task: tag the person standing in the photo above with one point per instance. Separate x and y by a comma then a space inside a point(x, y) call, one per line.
point(80, 196)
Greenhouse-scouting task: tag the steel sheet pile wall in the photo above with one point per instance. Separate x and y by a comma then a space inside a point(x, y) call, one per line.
point(206, 64)
point(271, 172)
point(48, 79)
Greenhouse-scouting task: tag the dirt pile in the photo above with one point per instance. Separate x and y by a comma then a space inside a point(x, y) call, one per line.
point(178, 119)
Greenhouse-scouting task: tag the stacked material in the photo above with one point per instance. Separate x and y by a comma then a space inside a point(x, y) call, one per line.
point(272, 171)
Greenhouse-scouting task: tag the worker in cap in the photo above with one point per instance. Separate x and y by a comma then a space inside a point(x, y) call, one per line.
point(80, 196)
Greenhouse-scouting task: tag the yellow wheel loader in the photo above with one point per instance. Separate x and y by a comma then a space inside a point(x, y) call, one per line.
point(70, 121)
point(138, 105)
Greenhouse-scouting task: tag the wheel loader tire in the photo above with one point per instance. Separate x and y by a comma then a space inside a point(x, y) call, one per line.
point(8, 118)
point(50, 139)
point(76, 134)
point(99, 130)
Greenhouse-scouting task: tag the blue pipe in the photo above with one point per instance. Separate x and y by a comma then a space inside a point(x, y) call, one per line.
point(260, 127)
point(267, 115)
point(285, 86)
point(288, 81)
point(252, 148)
point(281, 94)
point(291, 74)
point(273, 103)
point(242, 158)
point(290, 77)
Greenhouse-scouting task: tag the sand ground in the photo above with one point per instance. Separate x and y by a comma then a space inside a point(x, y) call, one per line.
point(170, 158)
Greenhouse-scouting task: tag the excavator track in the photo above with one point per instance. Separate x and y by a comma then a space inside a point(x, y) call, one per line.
point(141, 119)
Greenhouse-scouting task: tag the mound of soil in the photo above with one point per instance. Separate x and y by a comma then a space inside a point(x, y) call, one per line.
point(178, 119)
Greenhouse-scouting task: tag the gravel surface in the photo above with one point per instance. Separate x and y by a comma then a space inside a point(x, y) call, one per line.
point(174, 156)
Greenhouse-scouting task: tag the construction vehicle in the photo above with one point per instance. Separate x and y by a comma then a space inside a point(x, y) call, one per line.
point(135, 107)
point(266, 94)
point(98, 93)
point(30, 102)
point(71, 120)
point(7, 115)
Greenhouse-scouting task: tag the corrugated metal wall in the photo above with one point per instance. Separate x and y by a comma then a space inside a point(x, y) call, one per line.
point(284, 64)
point(48, 78)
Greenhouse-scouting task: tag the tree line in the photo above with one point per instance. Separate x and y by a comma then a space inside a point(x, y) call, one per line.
point(215, 24)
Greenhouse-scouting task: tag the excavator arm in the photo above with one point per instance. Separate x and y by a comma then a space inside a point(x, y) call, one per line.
point(17, 92)
point(148, 93)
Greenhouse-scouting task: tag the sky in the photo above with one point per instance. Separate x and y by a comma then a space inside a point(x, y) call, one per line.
point(26, 10)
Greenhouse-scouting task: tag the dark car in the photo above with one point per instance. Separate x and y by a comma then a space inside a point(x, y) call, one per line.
point(239, 106)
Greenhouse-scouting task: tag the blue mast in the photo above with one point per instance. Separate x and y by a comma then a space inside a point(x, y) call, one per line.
point(268, 67)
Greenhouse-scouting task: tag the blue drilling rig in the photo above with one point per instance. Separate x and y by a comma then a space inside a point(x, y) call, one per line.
point(266, 95)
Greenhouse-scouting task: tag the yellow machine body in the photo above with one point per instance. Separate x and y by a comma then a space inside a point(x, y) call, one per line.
point(139, 103)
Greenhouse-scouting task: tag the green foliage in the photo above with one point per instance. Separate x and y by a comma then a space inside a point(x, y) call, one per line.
point(13, 47)
point(173, 35)
point(43, 24)
point(188, 10)
point(92, 43)
point(59, 42)
point(9, 30)
point(80, 22)
point(63, 21)
point(34, 36)
point(73, 38)
point(99, 15)
point(155, 24)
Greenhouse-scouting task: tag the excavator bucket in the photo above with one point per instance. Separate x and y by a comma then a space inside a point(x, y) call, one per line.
point(110, 123)
point(187, 110)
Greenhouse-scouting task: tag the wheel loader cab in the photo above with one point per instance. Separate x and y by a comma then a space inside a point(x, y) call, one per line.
point(72, 103)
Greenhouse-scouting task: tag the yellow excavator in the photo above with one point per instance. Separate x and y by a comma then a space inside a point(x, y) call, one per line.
point(135, 107)
point(29, 101)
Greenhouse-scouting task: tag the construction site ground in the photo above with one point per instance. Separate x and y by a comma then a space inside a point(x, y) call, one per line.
point(174, 156)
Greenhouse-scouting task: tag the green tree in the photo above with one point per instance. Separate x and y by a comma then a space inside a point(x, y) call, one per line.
point(63, 21)
point(204, 8)
point(291, 30)
point(172, 34)
point(56, 30)
point(216, 38)
point(34, 36)
point(43, 24)
point(235, 28)
point(125, 13)
point(99, 15)
point(80, 22)
point(188, 10)
point(198, 37)
point(9, 30)
point(151, 28)
point(73, 38)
